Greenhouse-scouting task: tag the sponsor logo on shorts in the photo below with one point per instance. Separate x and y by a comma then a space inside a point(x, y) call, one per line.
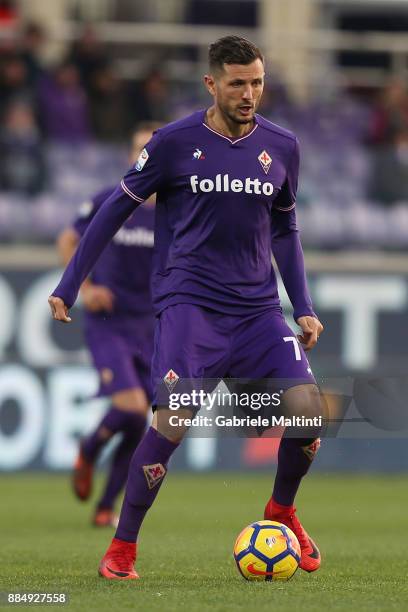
point(154, 474)
point(143, 157)
point(171, 379)
point(106, 376)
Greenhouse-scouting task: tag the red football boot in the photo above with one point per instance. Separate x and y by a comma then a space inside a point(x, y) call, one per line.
point(118, 562)
point(82, 477)
point(310, 558)
point(104, 517)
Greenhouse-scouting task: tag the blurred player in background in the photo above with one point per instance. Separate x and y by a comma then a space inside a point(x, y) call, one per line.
point(118, 328)
point(226, 181)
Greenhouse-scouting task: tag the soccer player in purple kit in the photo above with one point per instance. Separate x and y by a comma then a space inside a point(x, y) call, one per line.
point(118, 329)
point(226, 182)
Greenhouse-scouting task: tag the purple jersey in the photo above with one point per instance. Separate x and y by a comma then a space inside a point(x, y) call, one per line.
point(126, 263)
point(222, 206)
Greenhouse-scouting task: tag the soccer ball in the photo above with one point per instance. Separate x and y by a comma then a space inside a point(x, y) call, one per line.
point(267, 550)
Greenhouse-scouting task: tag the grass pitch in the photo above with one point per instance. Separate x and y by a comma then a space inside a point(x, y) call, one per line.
point(185, 560)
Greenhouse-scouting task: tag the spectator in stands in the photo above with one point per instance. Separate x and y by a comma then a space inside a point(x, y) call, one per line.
point(14, 81)
point(108, 105)
point(64, 106)
point(150, 100)
point(88, 55)
point(22, 167)
point(275, 97)
point(390, 115)
point(389, 173)
point(32, 42)
point(8, 14)
point(389, 138)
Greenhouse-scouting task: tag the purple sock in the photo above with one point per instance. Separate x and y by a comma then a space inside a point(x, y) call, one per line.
point(146, 474)
point(114, 420)
point(295, 457)
point(121, 459)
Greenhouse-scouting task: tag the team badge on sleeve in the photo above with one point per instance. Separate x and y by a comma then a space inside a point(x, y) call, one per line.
point(143, 157)
point(265, 160)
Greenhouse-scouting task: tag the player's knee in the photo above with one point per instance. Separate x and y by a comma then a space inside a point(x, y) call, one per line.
point(132, 400)
point(304, 401)
point(305, 406)
point(171, 426)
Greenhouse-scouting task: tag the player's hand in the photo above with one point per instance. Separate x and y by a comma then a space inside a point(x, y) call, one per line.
point(311, 328)
point(97, 298)
point(58, 309)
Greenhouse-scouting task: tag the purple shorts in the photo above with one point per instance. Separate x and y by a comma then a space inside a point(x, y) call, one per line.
point(192, 342)
point(121, 351)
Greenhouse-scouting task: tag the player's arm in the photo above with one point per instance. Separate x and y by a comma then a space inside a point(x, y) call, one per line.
point(95, 297)
point(137, 185)
point(101, 230)
point(288, 253)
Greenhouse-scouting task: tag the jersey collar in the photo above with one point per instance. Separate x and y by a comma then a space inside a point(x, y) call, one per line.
point(231, 140)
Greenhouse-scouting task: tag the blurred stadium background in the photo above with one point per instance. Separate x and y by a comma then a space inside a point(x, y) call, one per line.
point(77, 75)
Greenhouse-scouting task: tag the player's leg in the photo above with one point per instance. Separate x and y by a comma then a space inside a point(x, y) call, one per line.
point(147, 470)
point(113, 422)
point(295, 457)
point(267, 348)
point(184, 343)
point(113, 361)
point(135, 404)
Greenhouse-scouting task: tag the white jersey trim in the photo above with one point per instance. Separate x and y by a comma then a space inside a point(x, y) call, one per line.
point(129, 193)
point(229, 139)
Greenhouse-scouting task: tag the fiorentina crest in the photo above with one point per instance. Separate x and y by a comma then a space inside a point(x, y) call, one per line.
point(154, 474)
point(171, 379)
point(311, 449)
point(265, 160)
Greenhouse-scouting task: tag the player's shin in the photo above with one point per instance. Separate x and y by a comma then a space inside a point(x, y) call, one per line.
point(295, 458)
point(115, 420)
point(147, 470)
point(299, 444)
point(121, 459)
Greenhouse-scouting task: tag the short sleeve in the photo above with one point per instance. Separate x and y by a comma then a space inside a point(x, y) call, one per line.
point(147, 175)
point(286, 199)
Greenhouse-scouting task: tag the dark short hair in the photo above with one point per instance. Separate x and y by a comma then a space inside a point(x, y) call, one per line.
point(233, 50)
